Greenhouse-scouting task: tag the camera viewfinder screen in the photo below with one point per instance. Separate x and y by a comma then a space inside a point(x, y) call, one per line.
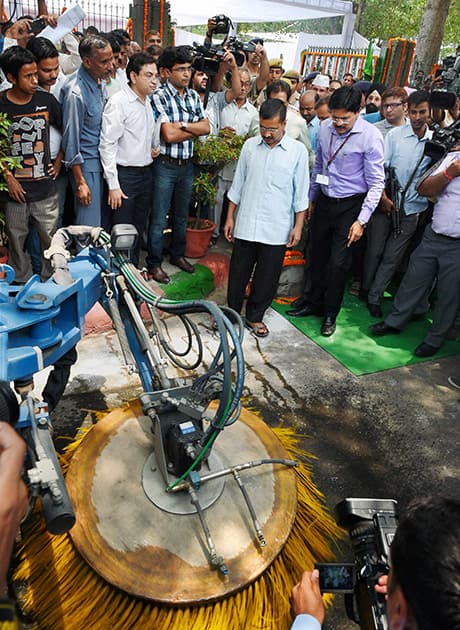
point(336, 578)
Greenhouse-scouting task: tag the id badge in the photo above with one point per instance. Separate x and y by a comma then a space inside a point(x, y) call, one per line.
point(322, 179)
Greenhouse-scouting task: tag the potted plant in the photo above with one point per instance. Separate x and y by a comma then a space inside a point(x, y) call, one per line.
point(210, 156)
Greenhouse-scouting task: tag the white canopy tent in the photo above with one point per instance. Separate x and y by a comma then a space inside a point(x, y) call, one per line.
point(186, 13)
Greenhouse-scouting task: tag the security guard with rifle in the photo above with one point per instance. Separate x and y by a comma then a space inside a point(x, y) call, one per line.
point(390, 232)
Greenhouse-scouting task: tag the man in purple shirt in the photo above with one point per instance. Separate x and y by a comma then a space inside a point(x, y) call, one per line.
point(346, 186)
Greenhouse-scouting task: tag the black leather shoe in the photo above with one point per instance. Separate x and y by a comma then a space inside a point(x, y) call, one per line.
point(300, 302)
point(328, 326)
point(425, 350)
point(182, 264)
point(375, 310)
point(157, 274)
point(304, 311)
point(381, 329)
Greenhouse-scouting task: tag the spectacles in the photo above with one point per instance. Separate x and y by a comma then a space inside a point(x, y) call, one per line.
point(390, 105)
point(182, 69)
point(344, 119)
point(269, 129)
point(245, 83)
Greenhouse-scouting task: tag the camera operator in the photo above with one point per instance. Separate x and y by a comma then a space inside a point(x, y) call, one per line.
point(256, 60)
point(12, 505)
point(218, 98)
point(422, 587)
point(435, 258)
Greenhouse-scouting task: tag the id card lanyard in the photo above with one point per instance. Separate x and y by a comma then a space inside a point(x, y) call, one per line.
point(331, 157)
point(323, 178)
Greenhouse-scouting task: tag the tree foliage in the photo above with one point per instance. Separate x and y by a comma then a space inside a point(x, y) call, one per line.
point(401, 18)
point(321, 26)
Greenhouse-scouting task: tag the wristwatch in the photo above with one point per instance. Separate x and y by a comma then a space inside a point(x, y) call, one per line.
point(184, 126)
point(363, 224)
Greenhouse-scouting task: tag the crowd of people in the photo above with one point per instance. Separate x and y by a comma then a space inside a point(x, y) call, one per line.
point(112, 128)
point(116, 126)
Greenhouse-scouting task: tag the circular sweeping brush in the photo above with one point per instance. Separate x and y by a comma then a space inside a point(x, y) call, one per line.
point(64, 592)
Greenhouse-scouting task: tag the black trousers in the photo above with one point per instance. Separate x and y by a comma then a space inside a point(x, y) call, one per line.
point(137, 184)
point(330, 256)
point(267, 262)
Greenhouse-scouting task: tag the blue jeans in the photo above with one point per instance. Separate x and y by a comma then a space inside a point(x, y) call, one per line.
point(172, 191)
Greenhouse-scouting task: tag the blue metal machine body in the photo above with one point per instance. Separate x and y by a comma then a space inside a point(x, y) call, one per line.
point(41, 321)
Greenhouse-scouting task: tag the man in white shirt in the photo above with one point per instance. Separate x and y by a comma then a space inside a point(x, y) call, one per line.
point(271, 190)
point(129, 142)
point(237, 115)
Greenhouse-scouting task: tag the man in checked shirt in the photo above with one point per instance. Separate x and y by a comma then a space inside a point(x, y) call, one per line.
point(180, 109)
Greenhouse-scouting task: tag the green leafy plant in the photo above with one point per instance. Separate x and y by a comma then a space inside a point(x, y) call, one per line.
point(216, 151)
point(204, 189)
point(6, 161)
point(212, 154)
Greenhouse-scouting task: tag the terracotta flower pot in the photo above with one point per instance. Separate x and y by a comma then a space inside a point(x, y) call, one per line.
point(198, 238)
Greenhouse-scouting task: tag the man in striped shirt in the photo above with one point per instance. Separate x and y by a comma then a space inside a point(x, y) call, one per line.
point(183, 119)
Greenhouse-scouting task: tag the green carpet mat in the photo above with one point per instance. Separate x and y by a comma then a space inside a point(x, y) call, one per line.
point(354, 347)
point(190, 286)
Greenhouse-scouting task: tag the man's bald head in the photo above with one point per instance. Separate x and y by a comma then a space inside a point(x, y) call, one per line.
point(307, 105)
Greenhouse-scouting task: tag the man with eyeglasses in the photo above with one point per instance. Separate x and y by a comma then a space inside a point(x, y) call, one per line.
point(404, 151)
point(270, 189)
point(182, 116)
point(394, 109)
point(346, 186)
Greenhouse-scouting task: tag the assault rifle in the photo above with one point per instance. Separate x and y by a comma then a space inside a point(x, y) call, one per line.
point(392, 188)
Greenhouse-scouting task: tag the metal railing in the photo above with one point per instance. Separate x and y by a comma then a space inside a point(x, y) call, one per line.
point(333, 61)
point(102, 14)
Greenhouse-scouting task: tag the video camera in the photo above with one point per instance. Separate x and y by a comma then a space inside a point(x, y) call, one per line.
point(371, 524)
point(450, 73)
point(43, 474)
point(207, 58)
point(444, 138)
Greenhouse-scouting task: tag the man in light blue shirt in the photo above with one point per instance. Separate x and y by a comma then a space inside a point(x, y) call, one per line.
point(404, 150)
point(83, 98)
point(270, 188)
point(435, 259)
point(307, 104)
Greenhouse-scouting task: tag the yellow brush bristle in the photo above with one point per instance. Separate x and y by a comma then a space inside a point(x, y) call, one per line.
point(64, 593)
